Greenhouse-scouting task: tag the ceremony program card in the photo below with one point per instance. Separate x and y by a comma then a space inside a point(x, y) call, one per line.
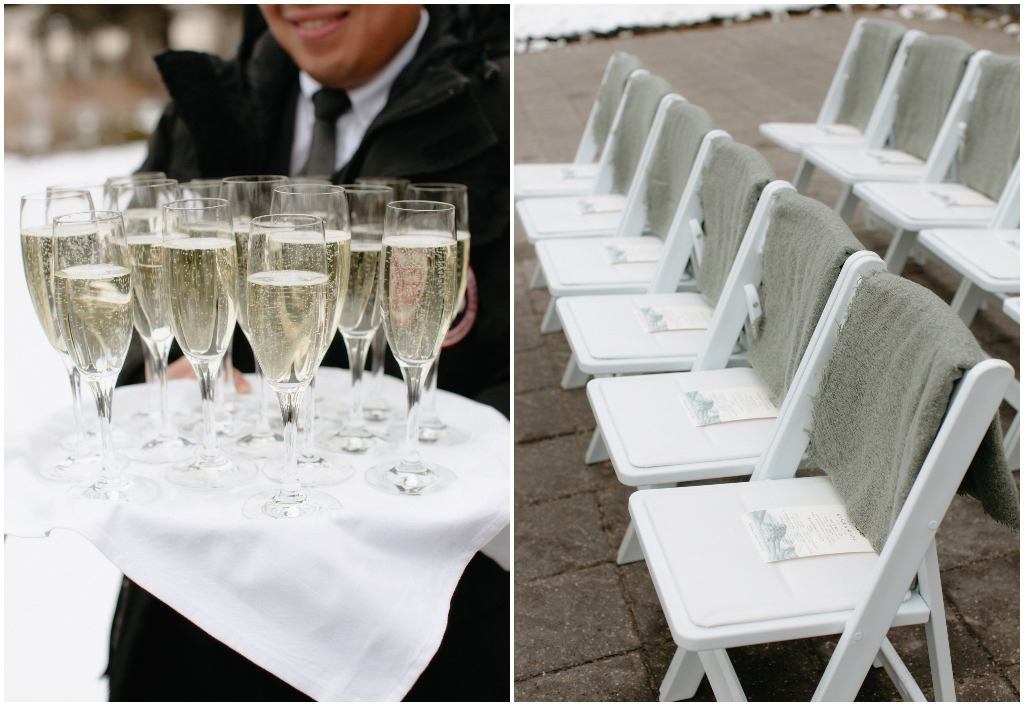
point(728, 404)
point(609, 203)
point(675, 318)
point(580, 171)
point(958, 195)
point(632, 252)
point(811, 530)
point(893, 157)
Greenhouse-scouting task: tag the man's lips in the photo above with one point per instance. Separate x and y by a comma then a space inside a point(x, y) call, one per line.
point(313, 28)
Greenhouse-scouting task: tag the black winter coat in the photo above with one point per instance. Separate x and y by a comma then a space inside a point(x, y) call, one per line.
point(446, 120)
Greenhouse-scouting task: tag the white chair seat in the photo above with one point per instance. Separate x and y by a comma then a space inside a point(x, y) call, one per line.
point(575, 263)
point(644, 417)
point(989, 258)
point(851, 165)
point(913, 208)
point(796, 137)
point(534, 180)
point(709, 574)
point(560, 217)
point(608, 327)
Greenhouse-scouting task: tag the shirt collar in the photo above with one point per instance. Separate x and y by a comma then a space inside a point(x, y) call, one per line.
point(370, 98)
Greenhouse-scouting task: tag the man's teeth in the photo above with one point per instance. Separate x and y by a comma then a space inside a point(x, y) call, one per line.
point(313, 24)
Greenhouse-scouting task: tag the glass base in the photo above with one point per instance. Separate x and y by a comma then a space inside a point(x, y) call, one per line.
point(358, 441)
point(142, 421)
point(276, 504)
point(226, 426)
point(388, 479)
point(163, 451)
point(71, 443)
point(442, 435)
point(376, 409)
point(316, 471)
point(133, 489)
point(222, 471)
point(260, 445)
point(81, 468)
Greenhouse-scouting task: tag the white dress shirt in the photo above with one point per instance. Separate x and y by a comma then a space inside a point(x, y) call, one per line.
point(367, 101)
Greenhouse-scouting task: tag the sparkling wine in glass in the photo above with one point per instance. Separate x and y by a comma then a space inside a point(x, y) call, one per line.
point(201, 269)
point(432, 429)
point(287, 290)
point(418, 288)
point(250, 197)
point(92, 284)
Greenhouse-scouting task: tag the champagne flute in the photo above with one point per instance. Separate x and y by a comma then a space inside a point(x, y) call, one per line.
point(37, 214)
point(327, 202)
point(360, 314)
point(141, 205)
point(418, 287)
point(201, 189)
point(92, 284)
point(249, 197)
point(200, 265)
point(288, 280)
point(432, 429)
point(137, 176)
point(376, 407)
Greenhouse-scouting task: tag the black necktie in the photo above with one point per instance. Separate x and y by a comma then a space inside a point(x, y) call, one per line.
point(329, 104)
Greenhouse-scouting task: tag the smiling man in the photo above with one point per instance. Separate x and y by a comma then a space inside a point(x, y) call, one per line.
point(344, 91)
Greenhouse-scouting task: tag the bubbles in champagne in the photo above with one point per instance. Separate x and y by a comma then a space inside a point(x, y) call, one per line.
point(94, 312)
point(201, 275)
point(287, 313)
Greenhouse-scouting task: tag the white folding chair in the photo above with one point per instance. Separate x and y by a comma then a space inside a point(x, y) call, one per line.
point(874, 162)
point(605, 332)
point(1011, 442)
point(573, 267)
point(549, 180)
point(717, 592)
point(641, 425)
point(864, 86)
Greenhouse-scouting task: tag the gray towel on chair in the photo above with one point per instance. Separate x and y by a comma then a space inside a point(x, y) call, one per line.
point(610, 93)
point(645, 93)
point(992, 139)
point(685, 126)
point(804, 250)
point(879, 40)
point(734, 177)
point(882, 398)
point(930, 78)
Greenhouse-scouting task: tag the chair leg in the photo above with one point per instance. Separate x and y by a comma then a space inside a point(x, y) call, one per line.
point(929, 585)
point(803, 176)
point(597, 451)
point(967, 300)
point(722, 676)
point(551, 323)
point(683, 676)
point(870, 224)
point(898, 250)
point(630, 551)
point(574, 378)
point(538, 281)
point(898, 672)
point(847, 203)
point(1011, 443)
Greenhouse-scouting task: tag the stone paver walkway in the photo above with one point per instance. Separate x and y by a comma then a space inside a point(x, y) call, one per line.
point(589, 630)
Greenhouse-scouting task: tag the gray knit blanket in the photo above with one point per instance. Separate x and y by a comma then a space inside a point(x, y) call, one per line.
point(930, 78)
point(804, 250)
point(685, 126)
point(879, 40)
point(992, 138)
point(733, 179)
point(610, 94)
point(645, 94)
point(882, 398)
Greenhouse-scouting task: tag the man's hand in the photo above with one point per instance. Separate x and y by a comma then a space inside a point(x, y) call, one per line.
point(181, 368)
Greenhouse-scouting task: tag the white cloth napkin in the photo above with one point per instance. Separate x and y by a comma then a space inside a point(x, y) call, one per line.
point(346, 606)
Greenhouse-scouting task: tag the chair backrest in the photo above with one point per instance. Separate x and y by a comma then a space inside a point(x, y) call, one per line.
point(633, 121)
point(926, 92)
point(609, 95)
point(879, 125)
point(1008, 207)
point(858, 81)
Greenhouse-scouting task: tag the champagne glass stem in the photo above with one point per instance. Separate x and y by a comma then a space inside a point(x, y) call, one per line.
point(356, 346)
point(290, 491)
point(263, 421)
point(309, 413)
point(429, 396)
point(103, 391)
point(414, 378)
point(379, 348)
point(158, 354)
point(210, 450)
point(74, 377)
point(229, 366)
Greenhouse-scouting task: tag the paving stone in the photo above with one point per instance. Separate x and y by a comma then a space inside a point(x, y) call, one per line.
point(643, 598)
point(549, 469)
point(1013, 676)
point(621, 678)
point(527, 335)
point(989, 687)
point(602, 474)
point(541, 414)
point(780, 671)
point(614, 502)
point(570, 619)
point(579, 406)
point(558, 536)
point(987, 595)
point(534, 371)
point(967, 532)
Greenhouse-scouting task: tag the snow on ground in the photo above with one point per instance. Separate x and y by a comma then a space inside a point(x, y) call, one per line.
point(59, 592)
